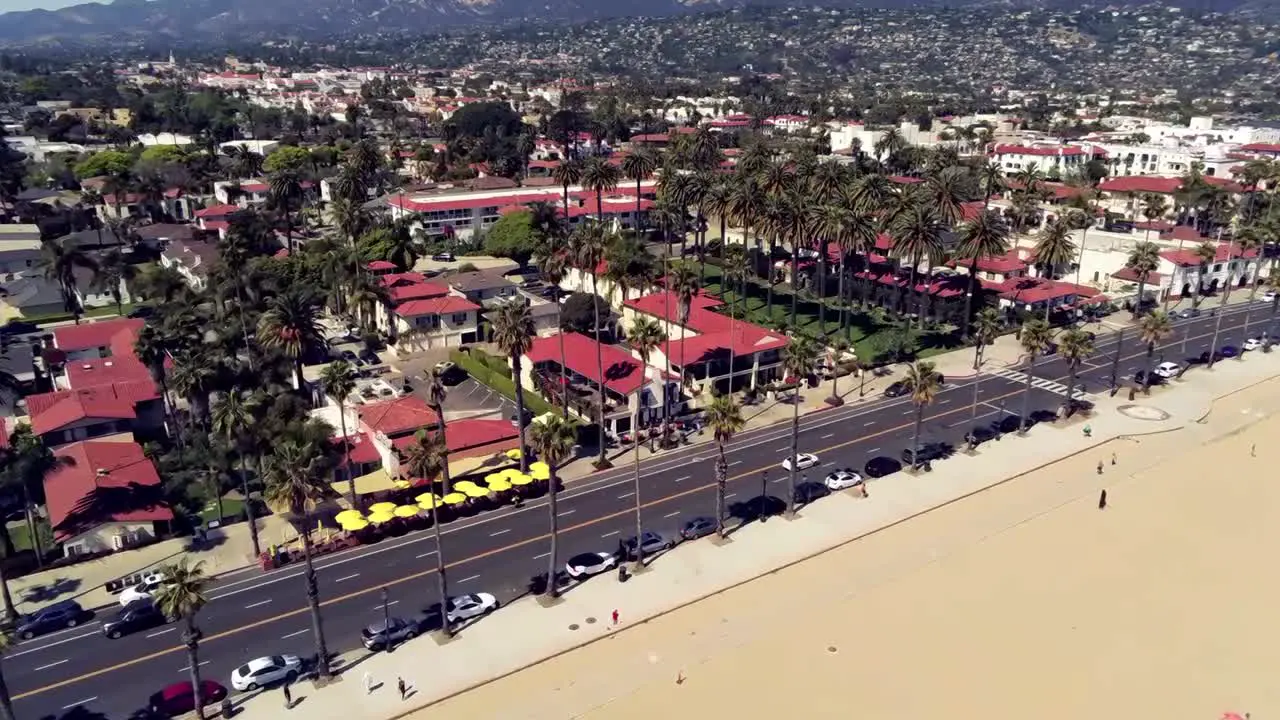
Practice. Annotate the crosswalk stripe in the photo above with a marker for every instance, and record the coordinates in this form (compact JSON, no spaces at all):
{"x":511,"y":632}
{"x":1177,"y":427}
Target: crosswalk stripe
{"x":1042,"y":383}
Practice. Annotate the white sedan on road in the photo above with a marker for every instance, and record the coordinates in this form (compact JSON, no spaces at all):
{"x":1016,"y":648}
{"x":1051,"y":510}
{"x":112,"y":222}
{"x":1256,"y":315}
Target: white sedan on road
{"x":465,"y":607}
{"x":588,"y":564}
{"x":842,"y":479}
{"x":264,"y":671}
{"x":1253,"y":344}
{"x":804,"y":461}
{"x":1167,"y":370}
{"x":142,"y":591}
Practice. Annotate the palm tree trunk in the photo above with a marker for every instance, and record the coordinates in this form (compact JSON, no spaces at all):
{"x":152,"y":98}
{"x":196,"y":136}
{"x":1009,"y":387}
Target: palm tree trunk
{"x":795,"y":289}
{"x":564,"y":372}
{"x":10,"y":614}
{"x":6,"y":702}
{"x":442,"y":582}
{"x":1248,"y":310}
{"x":722,"y":473}
{"x":346,"y":466}
{"x":666,"y":318}
{"x":553,"y":495}
{"x":191,"y":638}
{"x":968,"y":299}
{"x":844,"y":306}
{"x":1072,"y":367}
{"x":313,"y":600}
{"x":636,"y":493}
{"x":248,"y":506}
{"x":1026,"y":395}
{"x":595,"y":310}
{"x":1151,"y":360}
{"x":819,"y":290}
{"x":520,"y":423}
{"x":1142,"y":283}
{"x":795,"y":446}
{"x":915,"y":437}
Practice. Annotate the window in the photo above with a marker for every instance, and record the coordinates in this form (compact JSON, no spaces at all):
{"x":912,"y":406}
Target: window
{"x":458,"y":318}
{"x":1217,"y":267}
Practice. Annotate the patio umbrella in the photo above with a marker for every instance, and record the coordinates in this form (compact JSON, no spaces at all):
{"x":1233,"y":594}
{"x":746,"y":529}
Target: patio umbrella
{"x":402,"y":484}
{"x":454,"y":498}
{"x":475,"y":491}
{"x":382,"y":507}
{"x":499,"y":485}
{"x":539,"y":466}
{"x":540,"y":473}
{"x":491,"y":477}
{"x":406,"y":511}
{"x":461,"y":484}
{"x":346,"y":515}
{"x":521,"y":480}
{"x":381,"y":517}
{"x":513,"y":453}
{"x":430,"y":498}
{"x":354,"y":524}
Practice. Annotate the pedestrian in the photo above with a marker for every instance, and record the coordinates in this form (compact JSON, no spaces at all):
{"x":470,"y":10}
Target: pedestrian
{"x":615,"y":617}
{"x":1253,"y":450}
{"x":288,"y":697}
{"x":1102,"y":500}
{"x":1113,"y":458}
{"x":1088,"y":431}
{"x":1099,"y":467}
{"x":401,"y":687}
{"x":368,"y":682}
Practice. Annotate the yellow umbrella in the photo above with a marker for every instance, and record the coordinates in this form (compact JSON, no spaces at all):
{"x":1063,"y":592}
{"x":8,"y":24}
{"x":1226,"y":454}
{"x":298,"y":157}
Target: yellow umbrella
{"x":499,"y":486}
{"x":514,"y":453}
{"x":381,"y":517}
{"x":346,"y":515}
{"x":382,"y":507}
{"x":461,"y":485}
{"x":511,"y":472}
{"x":406,"y":511}
{"x":475,"y":491}
{"x":521,"y":480}
{"x":430,"y":498}
{"x":491,"y":477}
{"x":354,"y":523}
{"x":454,"y":498}
{"x":542,"y":473}
{"x":402,"y":484}
{"x":539,"y":466}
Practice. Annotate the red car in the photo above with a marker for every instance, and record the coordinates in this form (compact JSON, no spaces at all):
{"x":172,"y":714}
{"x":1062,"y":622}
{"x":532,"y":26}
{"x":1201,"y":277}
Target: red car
{"x":177,"y":699}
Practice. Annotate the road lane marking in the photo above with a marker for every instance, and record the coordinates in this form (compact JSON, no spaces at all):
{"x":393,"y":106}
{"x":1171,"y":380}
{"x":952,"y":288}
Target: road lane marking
{"x":671,"y":515}
{"x":735,"y":462}
{"x":79,"y":703}
{"x":348,"y":577}
{"x":480,"y":556}
{"x":162,"y":632}
{"x":379,"y":607}
{"x":828,"y":435}
{"x":258,"y":604}
{"x":624,"y":496}
{"x":425,"y":554}
{"x":52,"y":644}
{"x":206,"y":662}
{"x":608,"y":534}
{"x":682,"y":478}
{"x":868,"y":424}
{"x":873,"y":450}
{"x":56,"y":664}
{"x":500,"y":532}
{"x":543,"y":555}
{"x":469,"y":579}
{"x":296,"y":634}
{"x":566,"y":512}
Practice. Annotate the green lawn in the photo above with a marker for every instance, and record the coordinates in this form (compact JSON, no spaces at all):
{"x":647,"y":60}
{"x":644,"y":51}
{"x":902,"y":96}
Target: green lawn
{"x":232,"y":509}
{"x":22,"y":538}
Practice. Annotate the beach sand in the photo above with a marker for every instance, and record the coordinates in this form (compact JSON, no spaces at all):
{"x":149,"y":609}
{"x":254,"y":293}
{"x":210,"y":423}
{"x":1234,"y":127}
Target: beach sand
{"x":1024,"y":601}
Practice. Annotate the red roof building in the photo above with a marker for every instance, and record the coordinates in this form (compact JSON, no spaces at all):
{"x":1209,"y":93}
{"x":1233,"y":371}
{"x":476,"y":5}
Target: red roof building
{"x":714,"y":335}
{"x":398,"y":416}
{"x":106,"y":496}
{"x":105,"y":338}
{"x":118,"y":407}
{"x":623,"y":373}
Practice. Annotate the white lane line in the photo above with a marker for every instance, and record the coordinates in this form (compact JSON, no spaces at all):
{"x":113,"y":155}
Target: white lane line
{"x":348,"y":577}
{"x":828,"y":435}
{"x":46,"y":667}
{"x":304,"y":630}
{"x":726,"y":497}
{"x":873,"y":450}
{"x":735,"y":462}
{"x":672,"y":514}
{"x":624,"y":496}
{"x":944,"y":401}
{"x":566,"y":512}
{"x":80,"y":702}
{"x":52,"y":644}
{"x":543,"y":555}
{"x":828,"y":464}
{"x":393,"y":602}
{"x":206,"y":662}
{"x":868,"y":424}
{"x":909,"y":411}
{"x":425,"y":554}
{"x":500,"y":532}
{"x":469,"y":579}
{"x":682,"y":478}
{"x":257,"y":604}
{"x":162,"y":632}
{"x":785,"y":448}
{"x":608,"y":534}
{"x":781,"y":479}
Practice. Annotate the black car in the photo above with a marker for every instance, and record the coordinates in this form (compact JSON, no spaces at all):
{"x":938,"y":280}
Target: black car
{"x":897,"y":389}
{"x":927,"y":453}
{"x":63,"y":614}
{"x":142,"y":311}
{"x":807,"y":492}
{"x":700,"y":526}
{"x":350,"y":357}
{"x":18,"y":327}
{"x":369,"y":357}
{"x":1204,"y":357}
{"x":442,"y":257}
{"x":880,"y":466}
{"x":132,"y":618}
{"x":1189,"y":313}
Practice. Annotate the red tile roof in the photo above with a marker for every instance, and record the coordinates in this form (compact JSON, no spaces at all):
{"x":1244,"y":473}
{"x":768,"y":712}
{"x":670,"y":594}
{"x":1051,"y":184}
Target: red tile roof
{"x":623,"y":373}
{"x":1037,"y":289}
{"x":105,"y":371}
{"x":397,"y":416}
{"x":716,"y":333}
{"x":360,"y":449}
{"x":1047,"y":150}
{"x":381,"y":265}
{"x":1127,"y":273}
{"x":217,"y":211}
{"x":520,"y":196}
{"x":465,"y":435}
{"x":103,"y":482}
{"x":1187,"y":257}
{"x":1262,"y":147}
{"x":119,"y":335}
{"x":1003,"y":265}
{"x":1158,"y":184}
{"x":115,"y":401}
{"x":435,"y":306}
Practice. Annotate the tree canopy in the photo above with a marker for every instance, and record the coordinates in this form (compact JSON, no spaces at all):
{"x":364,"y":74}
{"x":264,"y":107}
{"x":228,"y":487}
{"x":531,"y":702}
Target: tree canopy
{"x":287,"y":157}
{"x":107,"y":162}
{"x":513,"y":236}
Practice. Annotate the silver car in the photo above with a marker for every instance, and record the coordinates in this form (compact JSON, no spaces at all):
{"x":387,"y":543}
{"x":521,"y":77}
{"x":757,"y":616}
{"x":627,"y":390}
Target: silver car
{"x":264,"y":671}
{"x":375,"y":636}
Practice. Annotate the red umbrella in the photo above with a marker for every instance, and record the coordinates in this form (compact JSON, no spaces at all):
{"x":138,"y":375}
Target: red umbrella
{"x":1232,"y":716}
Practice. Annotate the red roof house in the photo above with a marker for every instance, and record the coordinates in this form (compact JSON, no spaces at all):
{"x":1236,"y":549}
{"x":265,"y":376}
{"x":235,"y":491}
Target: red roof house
{"x":398,"y":416}
{"x":106,"y":496}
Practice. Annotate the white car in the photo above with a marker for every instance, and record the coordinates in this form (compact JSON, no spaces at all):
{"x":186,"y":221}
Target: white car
{"x":588,"y":564}
{"x":141,"y":591}
{"x":1253,"y":344}
{"x":804,"y":461}
{"x":1269,"y":296}
{"x":465,"y":607}
{"x":842,"y":479}
{"x":1166,"y":370}
{"x":264,"y":671}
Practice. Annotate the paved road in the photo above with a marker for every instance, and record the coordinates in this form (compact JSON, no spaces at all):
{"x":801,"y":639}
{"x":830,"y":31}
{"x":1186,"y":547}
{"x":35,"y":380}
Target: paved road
{"x":254,"y":613}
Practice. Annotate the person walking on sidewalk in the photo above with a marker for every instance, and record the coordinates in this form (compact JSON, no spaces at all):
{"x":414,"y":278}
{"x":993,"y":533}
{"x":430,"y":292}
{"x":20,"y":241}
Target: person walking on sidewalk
{"x":615,"y":617}
{"x":1102,"y":500}
{"x":368,"y":682}
{"x":1099,"y":467}
{"x":288,"y":696}
{"x":401,"y":687}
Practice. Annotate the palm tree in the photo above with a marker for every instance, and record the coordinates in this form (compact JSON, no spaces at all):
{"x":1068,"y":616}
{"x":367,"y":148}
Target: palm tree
{"x":291,"y":326}
{"x":684,"y":284}
{"x":1153,"y":208}
{"x":427,"y":458}
{"x":1054,"y":249}
{"x":1273,"y":284}
{"x":284,"y":187}
{"x":111,"y":273}
{"x":182,"y":596}
{"x":6,"y":702}
{"x":152,"y":349}
{"x":58,"y":264}
{"x":599,"y":176}
{"x":297,"y":481}
{"x":232,"y":418}
{"x":717,"y":203}
{"x":1206,"y":252}
{"x":567,"y":173}
{"x":587,"y":246}
{"x":1075,"y":346}
{"x":1034,"y":337}
{"x":986,"y":328}
{"x":918,"y":237}
{"x":554,"y":438}
{"x":922,"y":381}
{"x":513,"y":331}
{"x":1250,"y":239}
{"x":798,"y":358}
{"x":839,"y":347}
{"x":636,"y":166}
{"x":857,"y":236}
{"x":1143,"y":260}
{"x":644,"y":337}
{"x":338,"y":380}
{"x":1152,"y":328}
{"x":986,"y":236}
{"x":553,"y":265}
{"x":724,"y":417}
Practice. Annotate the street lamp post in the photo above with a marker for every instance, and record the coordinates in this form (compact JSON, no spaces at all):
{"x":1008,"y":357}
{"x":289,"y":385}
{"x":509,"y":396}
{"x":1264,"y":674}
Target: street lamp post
{"x":386,"y":620}
{"x":764,"y":493}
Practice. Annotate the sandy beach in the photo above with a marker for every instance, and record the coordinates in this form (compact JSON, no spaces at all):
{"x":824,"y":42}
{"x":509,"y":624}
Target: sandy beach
{"x":1023,"y":601}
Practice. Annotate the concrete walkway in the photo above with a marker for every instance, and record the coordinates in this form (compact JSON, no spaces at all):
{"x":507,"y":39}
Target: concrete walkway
{"x":526,"y":632}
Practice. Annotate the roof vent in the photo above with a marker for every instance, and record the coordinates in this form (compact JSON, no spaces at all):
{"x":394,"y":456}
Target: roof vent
{"x":86,"y":366}
{"x":107,"y":363}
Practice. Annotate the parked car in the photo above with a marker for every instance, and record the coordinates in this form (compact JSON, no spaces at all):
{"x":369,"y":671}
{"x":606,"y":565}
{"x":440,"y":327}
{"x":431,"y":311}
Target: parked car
{"x":1204,"y":356}
{"x":1229,"y":351}
{"x":880,"y":466}
{"x":141,"y":615}
{"x":443,"y":257}
{"x":374,"y":636}
{"x":590,"y":563}
{"x":370,"y":357}
{"x":350,"y":357}
{"x":897,"y":389}
{"x":179,"y":698}
{"x":928,"y":453}
{"x":1187,"y":313}
{"x":263,"y":671}
{"x":650,"y":542}
{"x":19,"y":327}
{"x":804,"y":461}
{"x":1253,"y":344}
{"x":700,"y":526}
{"x":465,"y":607}
{"x":1167,"y":370}
{"x":1268,"y":296}
{"x":807,"y":492}
{"x":59,"y":615}
{"x":841,"y":479}
{"x":141,"y":591}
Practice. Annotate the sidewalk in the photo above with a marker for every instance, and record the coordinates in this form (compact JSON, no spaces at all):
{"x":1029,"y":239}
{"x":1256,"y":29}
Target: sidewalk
{"x":526,"y":633}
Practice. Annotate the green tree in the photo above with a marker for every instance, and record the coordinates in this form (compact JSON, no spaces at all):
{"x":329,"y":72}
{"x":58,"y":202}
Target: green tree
{"x":291,"y":326}
{"x":104,"y":163}
{"x":923,"y":383}
{"x":1153,"y":327}
{"x":428,"y":458}
{"x":513,"y":236}
{"x":798,"y":358}
{"x":554,"y":437}
{"x":182,"y":596}
{"x":1075,"y":346}
{"x":286,"y":158}
{"x":644,"y":337}
{"x":586,"y":246}
{"x":58,"y":264}
{"x":1143,"y":260}
{"x":232,"y":418}
{"x":1034,"y":337}
{"x":338,"y":380}
{"x":513,"y":331}
{"x":724,"y":417}
{"x":986,"y":236}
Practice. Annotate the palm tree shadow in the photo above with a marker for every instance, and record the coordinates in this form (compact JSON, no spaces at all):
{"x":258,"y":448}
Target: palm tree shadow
{"x":79,"y":712}
{"x":103,"y":503}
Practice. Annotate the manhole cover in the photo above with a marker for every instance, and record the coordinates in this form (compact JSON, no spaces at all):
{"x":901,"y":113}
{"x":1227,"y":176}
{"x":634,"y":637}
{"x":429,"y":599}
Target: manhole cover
{"x":1143,"y":412}
{"x":831,"y":649}
{"x":573,"y":626}
{"x":591,"y":621}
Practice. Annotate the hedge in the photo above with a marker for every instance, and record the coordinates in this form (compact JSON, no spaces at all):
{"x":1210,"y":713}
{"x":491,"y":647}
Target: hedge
{"x":499,"y":382}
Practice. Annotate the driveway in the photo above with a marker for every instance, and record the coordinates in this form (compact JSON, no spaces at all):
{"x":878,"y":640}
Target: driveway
{"x":472,"y":397}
